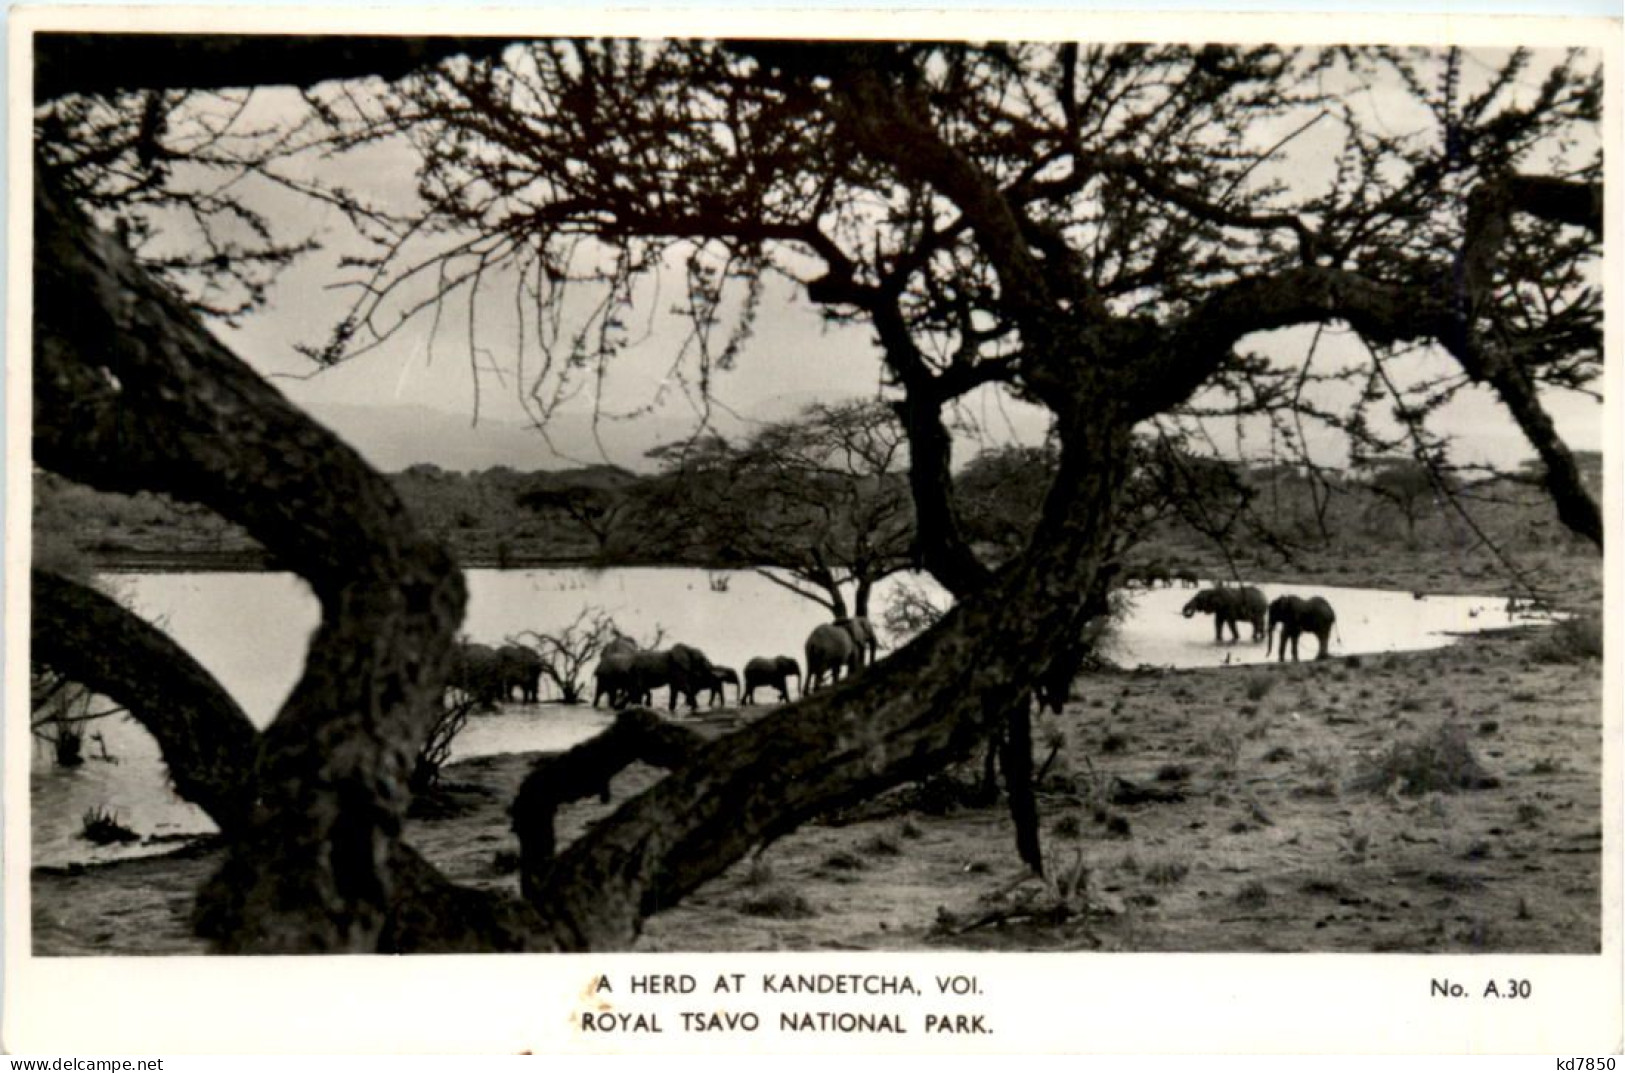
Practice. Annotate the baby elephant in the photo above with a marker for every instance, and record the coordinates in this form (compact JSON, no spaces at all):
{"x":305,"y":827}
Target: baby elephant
{"x":770,"y":671}
{"x":721,"y":676}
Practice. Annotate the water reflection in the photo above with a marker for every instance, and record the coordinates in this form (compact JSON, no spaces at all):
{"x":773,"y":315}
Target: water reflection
{"x":250,"y":631}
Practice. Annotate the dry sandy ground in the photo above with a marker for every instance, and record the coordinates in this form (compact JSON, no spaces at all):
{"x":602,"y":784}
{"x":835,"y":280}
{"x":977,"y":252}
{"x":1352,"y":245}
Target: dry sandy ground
{"x":1203,"y":810}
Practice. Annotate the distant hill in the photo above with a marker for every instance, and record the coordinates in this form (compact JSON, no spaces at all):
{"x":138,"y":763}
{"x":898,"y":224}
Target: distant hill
{"x":395,"y":438}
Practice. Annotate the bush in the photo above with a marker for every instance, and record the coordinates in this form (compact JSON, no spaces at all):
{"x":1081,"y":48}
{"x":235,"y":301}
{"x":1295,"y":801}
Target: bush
{"x":911,"y":611}
{"x":778,"y":903}
{"x":102,"y":827}
{"x":1166,"y":873}
{"x":1438,"y":761}
{"x":436,"y":748}
{"x":1574,"y":640}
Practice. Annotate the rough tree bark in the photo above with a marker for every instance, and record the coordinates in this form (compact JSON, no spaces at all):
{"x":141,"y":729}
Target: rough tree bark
{"x":131,"y":393}
{"x":208,"y":744}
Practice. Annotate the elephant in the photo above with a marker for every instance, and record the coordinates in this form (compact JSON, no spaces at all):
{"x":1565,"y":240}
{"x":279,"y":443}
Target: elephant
{"x":766,"y":671}
{"x":683,"y":668}
{"x":476,"y":670}
{"x":520,"y":667}
{"x":720,"y":677}
{"x":613,"y":675}
{"x":863,"y":635}
{"x":1151,"y":574}
{"x":1187,"y":579}
{"x":1229,"y":606}
{"x":831,"y":648}
{"x":1296,"y":615}
{"x":612,"y":678}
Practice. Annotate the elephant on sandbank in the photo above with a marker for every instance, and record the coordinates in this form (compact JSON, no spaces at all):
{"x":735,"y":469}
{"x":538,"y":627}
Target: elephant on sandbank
{"x":1297,"y":616}
{"x":838,"y":646}
{"x":720,"y":677}
{"x":772,"y":671}
{"x":1149,"y":575}
{"x":863,"y":635}
{"x":1229,"y":606}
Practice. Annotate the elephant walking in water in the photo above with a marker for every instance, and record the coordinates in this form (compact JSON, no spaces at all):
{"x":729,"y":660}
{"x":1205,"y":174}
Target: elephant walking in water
{"x":766,"y":671}
{"x":520,"y":668}
{"x":613,"y":676}
{"x":682,"y":668}
{"x":1296,"y":616}
{"x":1229,"y":606}
{"x":477,"y":672}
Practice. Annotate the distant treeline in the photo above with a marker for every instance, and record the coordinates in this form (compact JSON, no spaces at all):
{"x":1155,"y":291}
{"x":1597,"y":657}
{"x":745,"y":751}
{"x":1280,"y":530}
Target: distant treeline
{"x":607,"y":516}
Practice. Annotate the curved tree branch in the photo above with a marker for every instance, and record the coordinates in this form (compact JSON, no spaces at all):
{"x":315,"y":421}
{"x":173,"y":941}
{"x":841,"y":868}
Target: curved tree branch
{"x":132,"y":393}
{"x":207,"y":742}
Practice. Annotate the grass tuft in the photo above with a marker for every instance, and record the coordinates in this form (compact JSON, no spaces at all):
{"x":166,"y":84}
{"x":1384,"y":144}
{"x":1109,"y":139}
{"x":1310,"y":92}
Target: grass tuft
{"x":102,"y":827}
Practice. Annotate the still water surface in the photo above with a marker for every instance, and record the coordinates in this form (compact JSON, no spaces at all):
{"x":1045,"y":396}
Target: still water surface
{"x":250,"y":630}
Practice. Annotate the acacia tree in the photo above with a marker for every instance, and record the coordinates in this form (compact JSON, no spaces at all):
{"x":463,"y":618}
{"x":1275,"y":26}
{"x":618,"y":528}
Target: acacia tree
{"x":1096,"y":228}
{"x":817,"y":504}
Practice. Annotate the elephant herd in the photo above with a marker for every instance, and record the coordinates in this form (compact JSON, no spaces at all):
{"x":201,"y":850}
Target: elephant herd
{"x":628,"y":675}
{"x":1295,"y":615}
{"x":488,"y":675}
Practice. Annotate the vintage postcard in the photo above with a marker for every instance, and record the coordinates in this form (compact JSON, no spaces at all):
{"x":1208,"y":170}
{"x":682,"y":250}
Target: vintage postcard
{"x":735,"y":532}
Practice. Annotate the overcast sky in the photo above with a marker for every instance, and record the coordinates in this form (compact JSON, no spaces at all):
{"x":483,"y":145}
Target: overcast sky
{"x":413,"y":401}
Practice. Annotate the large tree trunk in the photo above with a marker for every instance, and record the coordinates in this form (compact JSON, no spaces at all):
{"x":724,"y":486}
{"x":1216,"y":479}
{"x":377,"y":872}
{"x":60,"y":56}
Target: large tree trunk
{"x":131,"y":393}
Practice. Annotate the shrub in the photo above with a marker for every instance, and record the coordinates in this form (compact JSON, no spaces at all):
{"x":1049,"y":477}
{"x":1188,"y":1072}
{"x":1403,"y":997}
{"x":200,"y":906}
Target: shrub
{"x":1259,"y":685}
{"x":437,"y":747}
{"x":778,"y":903}
{"x":1252,"y":895}
{"x":1173,"y":773}
{"x":102,"y":827}
{"x":943,"y":793}
{"x":1166,"y":873}
{"x":911,"y":611}
{"x":1440,"y":760}
{"x":881,"y":846}
{"x":1574,"y":640}
{"x":844,"y":861}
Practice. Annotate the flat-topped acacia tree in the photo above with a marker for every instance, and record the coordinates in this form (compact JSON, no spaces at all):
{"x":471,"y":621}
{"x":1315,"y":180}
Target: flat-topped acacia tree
{"x":1097,"y":229}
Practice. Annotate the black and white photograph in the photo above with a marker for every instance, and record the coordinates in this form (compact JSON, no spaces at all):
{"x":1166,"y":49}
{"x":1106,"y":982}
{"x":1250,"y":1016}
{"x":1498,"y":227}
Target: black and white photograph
{"x":505,"y":487}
